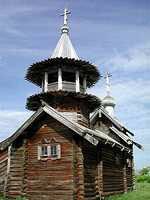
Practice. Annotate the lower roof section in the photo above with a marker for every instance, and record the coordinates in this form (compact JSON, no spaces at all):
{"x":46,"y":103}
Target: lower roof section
{"x":92,"y":136}
{"x":56,"y":98}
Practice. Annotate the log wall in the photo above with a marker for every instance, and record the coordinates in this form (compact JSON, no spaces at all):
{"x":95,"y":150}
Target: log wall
{"x":78,"y":171}
{"x":91,"y":188}
{"x":50,"y":179}
{"x":113,"y":176}
{"x":129,"y":174}
{"x":3,"y":170}
{"x":15,"y":182}
{"x":84,"y":172}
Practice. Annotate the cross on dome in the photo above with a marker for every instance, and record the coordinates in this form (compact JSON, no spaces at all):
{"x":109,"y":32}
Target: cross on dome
{"x":108,"y":101}
{"x":65,"y":14}
{"x":107,"y":77}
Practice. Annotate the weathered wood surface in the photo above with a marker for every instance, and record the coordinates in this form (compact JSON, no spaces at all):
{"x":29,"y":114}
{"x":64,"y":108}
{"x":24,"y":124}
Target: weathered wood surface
{"x":78,"y":172}
{"x":3,"y":170}
{"x":104,"y":125}
{"x":91,"y":189}
{"x":129,"y":174}
{"x":16,"y":172}
{"x":51,"y":179}
{"x":84,"y":172}
{"x":113,"y":178}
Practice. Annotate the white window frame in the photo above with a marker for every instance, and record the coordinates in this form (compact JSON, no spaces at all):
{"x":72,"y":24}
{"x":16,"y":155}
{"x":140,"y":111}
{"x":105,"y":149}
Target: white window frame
{"x":49,"y":153}
{"x":58,"y":151}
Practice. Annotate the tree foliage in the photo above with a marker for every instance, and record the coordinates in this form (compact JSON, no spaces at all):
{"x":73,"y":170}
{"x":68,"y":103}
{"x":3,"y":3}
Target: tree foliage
{"x":144,"y":175}
{"x":145,"y":171}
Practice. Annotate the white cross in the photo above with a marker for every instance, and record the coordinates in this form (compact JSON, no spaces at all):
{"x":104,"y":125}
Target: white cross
{"x":108,"y":75}
{"x":65,"y":14}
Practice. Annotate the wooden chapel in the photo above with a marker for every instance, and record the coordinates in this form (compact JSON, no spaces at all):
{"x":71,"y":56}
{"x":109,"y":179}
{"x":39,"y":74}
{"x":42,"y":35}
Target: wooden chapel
{"x":63,"y":152}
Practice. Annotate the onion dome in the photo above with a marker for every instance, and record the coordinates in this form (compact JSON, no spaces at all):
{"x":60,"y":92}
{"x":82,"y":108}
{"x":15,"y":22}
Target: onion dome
{"x":108,"y":101}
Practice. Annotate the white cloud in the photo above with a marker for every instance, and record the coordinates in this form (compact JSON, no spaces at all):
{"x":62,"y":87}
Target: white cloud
{"x":126,"y":91}
{"x":133,"y":91}
{"x":25,"y":51}
{"x":11,"y":120}
{"x":137,"y":58}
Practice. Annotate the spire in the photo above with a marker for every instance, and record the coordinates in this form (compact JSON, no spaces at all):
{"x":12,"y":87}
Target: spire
{"x":108,"y":101}
{"x":64,"y":47}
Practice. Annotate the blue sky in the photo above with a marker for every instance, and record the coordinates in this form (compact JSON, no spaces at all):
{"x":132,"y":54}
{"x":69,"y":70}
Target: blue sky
{"x":113,"y":34}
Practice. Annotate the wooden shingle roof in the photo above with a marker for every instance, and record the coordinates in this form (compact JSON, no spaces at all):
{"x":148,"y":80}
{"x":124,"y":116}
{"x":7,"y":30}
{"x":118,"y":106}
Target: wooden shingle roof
{"x":92,"y":136}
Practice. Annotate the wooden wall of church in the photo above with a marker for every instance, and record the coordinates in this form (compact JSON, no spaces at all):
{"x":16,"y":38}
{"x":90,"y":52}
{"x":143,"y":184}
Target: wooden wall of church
{"x":129,"y":175}
{"x":113,"y":176}
{"x":15,"y":180}
{"x":78,"y":170}
{"x":50,"y":179}
{"x":83,"y":172}
{"x":90,"y":172}
{"x":3,"y":170}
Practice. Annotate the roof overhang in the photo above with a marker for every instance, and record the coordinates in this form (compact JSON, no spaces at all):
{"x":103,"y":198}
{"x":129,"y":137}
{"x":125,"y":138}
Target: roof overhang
{"x":93,"y":136}
{"x":101,"y":111}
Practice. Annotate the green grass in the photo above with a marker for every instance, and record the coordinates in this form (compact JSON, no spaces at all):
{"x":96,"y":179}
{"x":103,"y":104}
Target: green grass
{"x":142,"y":192}
{"x":18,"y":198}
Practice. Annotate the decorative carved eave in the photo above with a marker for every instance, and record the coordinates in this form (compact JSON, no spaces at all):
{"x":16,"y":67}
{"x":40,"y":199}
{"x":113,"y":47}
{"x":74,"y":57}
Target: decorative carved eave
{"x":59,"y":97}
{"x":35,"y":72}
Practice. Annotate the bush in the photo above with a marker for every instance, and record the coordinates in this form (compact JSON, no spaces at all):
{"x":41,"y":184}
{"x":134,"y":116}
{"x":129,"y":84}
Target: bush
{"x":143,"y":178}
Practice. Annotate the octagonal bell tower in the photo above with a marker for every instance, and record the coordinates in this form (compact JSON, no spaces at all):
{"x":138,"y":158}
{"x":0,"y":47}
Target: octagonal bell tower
{"x":64,"y":79}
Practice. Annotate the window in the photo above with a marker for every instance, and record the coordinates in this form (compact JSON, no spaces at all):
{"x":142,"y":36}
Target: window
{"x":68,"y":76}
{"x":52,"y":77}
{"x":44,"y":151}
{"x":49,"y":151}
{"x":54,"y":151}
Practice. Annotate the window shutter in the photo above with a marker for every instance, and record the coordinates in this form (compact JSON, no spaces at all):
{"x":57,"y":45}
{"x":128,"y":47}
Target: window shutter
{"x":39,"y":152}
{"x":58,"y":151}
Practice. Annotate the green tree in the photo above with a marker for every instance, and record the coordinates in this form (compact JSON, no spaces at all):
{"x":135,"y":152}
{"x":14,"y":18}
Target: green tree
{"x":145,"y":171}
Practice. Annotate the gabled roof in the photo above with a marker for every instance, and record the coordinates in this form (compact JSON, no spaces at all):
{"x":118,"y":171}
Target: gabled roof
{"x":93,"y":136}
{"x":120,"y":129}
{"x":98,"y":112}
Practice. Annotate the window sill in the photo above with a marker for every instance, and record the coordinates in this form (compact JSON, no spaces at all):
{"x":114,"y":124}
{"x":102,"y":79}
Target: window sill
{"x":48,"y":158}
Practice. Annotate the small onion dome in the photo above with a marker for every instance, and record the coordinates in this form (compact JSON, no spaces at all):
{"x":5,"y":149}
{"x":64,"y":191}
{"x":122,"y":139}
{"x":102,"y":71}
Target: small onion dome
{"x":108,"y":101}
